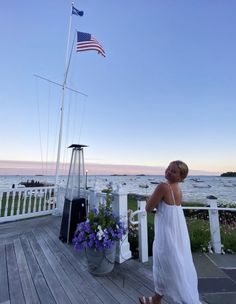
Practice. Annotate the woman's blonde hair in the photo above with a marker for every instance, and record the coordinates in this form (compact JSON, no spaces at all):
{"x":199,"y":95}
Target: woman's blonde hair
{"x":183,"y":168}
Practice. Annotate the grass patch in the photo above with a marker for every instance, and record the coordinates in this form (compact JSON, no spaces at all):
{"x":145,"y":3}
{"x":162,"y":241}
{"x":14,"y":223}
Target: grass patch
{"x":228,"y":237}
{"x":199,"y":234}
{"x":193,"y":204}
{"x":22,"y":204}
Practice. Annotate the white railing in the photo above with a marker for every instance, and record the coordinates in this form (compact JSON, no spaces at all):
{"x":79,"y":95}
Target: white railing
{"x":21,"y":203}
{"x":213,"y":211}
{"x":142,"y":229}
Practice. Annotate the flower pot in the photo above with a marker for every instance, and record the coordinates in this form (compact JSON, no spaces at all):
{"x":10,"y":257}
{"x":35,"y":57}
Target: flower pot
{"x":101,"y":262}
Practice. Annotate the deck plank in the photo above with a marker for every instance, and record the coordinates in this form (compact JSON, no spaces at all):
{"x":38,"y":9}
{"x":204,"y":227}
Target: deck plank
{"x":142,"y":281}
{"x":8,"y":239}
{"x":14,"y":229}
{"x":58,"y":274}
{"x":4,"y":290}
{"x":28,"y":287}
{"x":15,"y":288}
{"x":78,"y":261}
{"x":117,"y":291}
{"x":65,"y":280}
{"x":57,"y":291}
{"x":41,"y":286}
{"x":140,"y":273}
{"x":70,"y":270}
{"x":130,"y":286}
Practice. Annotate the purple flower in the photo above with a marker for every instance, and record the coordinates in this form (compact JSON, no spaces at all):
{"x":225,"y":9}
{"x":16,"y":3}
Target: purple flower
{"x":91,"y":243}
{"x":100,"y":231}
{"x":87,"y":227}
{"x":107,"y":243}
{"x":92,"y":236}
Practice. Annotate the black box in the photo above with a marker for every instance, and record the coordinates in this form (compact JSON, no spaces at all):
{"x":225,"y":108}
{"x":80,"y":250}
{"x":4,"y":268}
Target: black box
{"x":74,"y":212}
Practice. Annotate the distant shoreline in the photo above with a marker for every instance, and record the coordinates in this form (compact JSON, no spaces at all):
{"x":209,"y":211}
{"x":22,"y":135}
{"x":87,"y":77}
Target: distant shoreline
{"x":228,"y":174}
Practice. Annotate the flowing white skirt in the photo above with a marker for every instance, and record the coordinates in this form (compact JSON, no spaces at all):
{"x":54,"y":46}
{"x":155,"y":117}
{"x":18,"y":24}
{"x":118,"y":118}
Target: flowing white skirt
{"x":174,"y":273}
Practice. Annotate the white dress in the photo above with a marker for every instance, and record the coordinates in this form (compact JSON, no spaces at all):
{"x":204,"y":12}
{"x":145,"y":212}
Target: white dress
{"x":174,"y":273}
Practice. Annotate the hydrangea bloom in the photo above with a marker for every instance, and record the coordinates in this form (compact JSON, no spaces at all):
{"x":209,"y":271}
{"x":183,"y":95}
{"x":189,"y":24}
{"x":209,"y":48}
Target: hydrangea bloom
{"x":101,"y":229}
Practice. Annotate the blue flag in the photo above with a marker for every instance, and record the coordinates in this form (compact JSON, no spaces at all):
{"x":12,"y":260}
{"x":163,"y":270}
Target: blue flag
{"x":76,"y":12}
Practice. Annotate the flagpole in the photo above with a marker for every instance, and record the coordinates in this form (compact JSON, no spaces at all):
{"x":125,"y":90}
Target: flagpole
{"x":63,"y":97}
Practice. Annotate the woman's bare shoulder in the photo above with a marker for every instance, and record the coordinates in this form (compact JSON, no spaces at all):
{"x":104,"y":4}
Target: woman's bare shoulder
{"x":161,"y":189}
{"x":163,"y":186}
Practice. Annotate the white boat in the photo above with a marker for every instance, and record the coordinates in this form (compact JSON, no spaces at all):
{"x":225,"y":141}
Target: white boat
{"x":145,"y":186}
{"x":201,"y":186}
{"x":229,"y":185}
{"x":197,"y":180}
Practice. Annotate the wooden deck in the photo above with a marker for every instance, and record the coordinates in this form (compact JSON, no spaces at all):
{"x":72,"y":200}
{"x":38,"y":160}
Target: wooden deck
{"x":36,"y":267}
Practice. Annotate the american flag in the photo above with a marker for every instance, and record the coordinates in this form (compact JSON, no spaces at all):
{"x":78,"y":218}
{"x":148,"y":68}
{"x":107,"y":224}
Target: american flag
{"x":85,"y":42}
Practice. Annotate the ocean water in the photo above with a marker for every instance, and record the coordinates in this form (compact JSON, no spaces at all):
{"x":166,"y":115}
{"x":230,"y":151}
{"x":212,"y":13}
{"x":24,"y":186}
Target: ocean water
{"x":195,"y":188}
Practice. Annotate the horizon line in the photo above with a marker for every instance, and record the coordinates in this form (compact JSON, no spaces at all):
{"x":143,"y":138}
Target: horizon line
{"x":21,"y":167}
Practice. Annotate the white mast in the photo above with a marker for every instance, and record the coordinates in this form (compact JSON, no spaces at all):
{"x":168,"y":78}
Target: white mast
{"x":63,"y":97}
{"x":64,"y":86}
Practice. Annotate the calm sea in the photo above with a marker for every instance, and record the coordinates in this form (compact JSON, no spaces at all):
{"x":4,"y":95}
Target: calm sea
{"x":195,"y":188}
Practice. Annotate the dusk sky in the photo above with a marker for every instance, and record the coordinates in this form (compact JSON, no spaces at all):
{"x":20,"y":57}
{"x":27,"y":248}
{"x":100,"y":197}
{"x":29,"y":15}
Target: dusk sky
{"x":165,"y":91}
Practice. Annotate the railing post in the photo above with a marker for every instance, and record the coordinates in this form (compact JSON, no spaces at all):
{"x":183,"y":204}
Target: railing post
{"x":60,"y":199}
{"x":120,"y":208}
{"x":92,"y":197}
{"x":142,"y":232}
{"x":214,"y":224}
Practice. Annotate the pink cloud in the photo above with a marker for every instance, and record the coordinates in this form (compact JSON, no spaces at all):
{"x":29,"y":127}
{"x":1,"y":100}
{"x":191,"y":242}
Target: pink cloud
{"x":8,"y":167}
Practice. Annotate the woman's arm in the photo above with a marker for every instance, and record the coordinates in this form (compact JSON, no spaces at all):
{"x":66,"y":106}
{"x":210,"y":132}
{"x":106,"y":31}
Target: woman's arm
{"x":155,"y":198}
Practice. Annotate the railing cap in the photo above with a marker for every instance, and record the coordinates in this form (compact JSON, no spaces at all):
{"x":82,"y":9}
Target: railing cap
{"x":211,"y":197}
{"x":119,"y":189}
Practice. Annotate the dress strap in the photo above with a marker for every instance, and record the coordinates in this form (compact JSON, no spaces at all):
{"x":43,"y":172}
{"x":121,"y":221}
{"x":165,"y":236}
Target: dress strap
{"x":172,"y":193}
